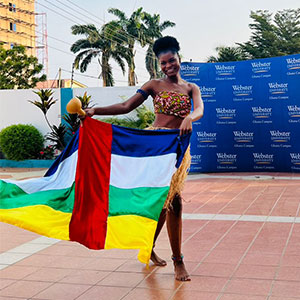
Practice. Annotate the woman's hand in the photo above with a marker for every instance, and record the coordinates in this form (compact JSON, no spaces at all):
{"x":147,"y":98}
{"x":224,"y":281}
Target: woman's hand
{"x":186,"y":125}
{"x":88,"y":112}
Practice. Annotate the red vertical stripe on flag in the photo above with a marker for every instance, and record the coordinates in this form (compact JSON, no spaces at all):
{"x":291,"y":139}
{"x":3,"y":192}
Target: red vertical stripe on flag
{"x":89,"y":219}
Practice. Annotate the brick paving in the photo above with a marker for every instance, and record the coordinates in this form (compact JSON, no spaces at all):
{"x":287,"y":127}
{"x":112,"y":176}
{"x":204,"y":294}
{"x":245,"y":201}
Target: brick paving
{"x":241,"y":241}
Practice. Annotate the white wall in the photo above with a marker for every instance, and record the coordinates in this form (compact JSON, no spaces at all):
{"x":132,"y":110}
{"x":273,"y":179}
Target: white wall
{"x":103,"y":96}
{"x":15,"y":109}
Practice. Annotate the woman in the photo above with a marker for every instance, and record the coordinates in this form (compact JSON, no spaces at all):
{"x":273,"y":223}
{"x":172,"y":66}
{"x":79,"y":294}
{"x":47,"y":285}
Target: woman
{"x":172,"y":99}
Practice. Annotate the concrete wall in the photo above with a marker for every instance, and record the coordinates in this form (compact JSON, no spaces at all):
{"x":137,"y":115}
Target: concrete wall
{"x":110,"y":95}
{"x":15,"y":108}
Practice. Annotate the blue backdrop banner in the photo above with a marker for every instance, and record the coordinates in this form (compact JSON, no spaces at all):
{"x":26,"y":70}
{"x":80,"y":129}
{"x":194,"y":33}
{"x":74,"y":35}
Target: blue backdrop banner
{"x":251,"y":115}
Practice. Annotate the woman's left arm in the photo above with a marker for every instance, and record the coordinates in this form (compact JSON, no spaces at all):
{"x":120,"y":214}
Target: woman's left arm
{"x":186,"y":125}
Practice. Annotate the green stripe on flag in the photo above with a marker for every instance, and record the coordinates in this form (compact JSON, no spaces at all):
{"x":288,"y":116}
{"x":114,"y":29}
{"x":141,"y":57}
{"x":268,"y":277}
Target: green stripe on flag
{"x":13,"y":197}
{"x":131,"y":201}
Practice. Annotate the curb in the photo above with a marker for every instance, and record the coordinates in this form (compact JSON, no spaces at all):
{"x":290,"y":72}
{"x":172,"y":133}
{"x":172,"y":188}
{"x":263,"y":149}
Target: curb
{"x":28,"y":163}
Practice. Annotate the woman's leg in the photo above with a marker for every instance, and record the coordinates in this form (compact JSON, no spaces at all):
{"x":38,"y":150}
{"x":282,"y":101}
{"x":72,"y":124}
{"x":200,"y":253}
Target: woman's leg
{"x":174,"y":225}
{"x":155,"y":259}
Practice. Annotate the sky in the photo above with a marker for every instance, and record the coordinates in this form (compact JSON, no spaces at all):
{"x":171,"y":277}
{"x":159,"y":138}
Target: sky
{"x":201,"y":26}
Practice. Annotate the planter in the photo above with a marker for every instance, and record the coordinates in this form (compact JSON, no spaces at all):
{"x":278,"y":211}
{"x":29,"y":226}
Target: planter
{"x":28,"y":163}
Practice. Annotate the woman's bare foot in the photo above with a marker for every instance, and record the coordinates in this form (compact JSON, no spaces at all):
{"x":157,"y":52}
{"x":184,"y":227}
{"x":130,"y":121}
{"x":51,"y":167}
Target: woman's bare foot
{"x":181,"y":273}
{"x":157,"y":260}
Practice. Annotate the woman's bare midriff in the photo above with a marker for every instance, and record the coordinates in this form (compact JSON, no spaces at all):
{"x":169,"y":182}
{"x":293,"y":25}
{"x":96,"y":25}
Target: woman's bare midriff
{"x":168,"y":121}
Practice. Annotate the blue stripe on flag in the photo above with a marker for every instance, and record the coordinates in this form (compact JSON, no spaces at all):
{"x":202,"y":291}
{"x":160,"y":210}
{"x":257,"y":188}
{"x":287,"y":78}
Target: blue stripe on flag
{"x":68,"y":151}
{"x":143,"y":143}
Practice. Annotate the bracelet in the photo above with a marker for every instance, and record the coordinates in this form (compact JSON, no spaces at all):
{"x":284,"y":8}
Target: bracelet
{"x":175,"y":259}
{"x":143,"y":93}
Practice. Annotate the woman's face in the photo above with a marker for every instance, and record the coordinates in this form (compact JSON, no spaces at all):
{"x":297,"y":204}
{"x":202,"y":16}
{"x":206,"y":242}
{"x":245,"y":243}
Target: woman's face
{"x":169,"y":63}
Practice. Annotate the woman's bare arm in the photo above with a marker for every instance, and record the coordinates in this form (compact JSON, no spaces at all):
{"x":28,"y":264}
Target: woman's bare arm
{"x":186,"y":125}
{"x":124,"y":107}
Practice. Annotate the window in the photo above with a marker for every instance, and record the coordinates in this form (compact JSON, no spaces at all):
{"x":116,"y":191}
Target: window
{"x":12,"y":26}
{"x":11,"y":7}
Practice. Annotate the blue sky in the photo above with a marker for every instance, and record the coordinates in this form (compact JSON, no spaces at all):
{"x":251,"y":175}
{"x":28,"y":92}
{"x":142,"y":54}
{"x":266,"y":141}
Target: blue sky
{"x":201,"y":26}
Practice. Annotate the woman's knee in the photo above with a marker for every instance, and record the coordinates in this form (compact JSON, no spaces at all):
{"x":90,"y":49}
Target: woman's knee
{"x":177,"y":205}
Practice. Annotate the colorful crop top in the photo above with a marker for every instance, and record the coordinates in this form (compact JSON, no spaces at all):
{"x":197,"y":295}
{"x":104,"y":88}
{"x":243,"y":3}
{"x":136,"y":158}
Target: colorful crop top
{"x":172,"y":103}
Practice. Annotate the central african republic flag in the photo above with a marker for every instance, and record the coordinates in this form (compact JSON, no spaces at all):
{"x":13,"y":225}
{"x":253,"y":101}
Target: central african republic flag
{"x":106,"y":189}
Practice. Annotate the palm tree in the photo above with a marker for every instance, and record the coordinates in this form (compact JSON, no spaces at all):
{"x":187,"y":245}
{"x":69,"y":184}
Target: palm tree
{"x":227,"y":54}
{"x":99,"y":44}
{"x":153,"y":30}
{"x":132,"y":31}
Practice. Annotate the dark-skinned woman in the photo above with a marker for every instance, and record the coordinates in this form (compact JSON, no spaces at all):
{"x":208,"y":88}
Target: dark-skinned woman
{"x":172,"y":100}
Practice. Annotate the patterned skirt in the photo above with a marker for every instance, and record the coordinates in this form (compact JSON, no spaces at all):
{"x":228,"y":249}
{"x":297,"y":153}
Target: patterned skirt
{"x":177,"y":182}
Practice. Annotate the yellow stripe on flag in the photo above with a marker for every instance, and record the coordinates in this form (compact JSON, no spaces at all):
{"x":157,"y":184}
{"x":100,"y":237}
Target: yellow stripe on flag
{"x":131,"y":232}
{"x":40,"y":219}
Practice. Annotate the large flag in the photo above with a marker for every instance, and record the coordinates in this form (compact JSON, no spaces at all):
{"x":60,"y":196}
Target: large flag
{"x":106,"y":190}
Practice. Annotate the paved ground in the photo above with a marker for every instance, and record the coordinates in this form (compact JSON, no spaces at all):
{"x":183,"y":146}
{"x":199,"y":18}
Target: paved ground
{"x":241,"y":241}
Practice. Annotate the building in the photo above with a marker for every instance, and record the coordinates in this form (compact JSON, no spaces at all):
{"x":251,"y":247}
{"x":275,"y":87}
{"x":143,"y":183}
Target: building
{"x":17,"y":24}
{"x":64,"y":83}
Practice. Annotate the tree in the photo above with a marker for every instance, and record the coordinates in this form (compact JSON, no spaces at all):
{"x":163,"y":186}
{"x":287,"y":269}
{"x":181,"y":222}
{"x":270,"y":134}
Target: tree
{"x":101,"y":44}
{"x":269,"y":37}
{"x":132,"y":31}
{"x":273,"y":38}
{"x":19,"y":70}
{"x":153,"y":30}
{"x":227,"y":54}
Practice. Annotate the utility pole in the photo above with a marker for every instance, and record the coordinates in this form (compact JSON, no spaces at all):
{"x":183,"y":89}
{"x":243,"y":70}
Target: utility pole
{"x":59,"y":78}
{"x":72,"y":76}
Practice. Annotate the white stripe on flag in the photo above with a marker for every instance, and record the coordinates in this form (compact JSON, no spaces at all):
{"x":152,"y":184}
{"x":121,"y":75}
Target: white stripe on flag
{"x":133,"y":172}
{"x":63,"y":178}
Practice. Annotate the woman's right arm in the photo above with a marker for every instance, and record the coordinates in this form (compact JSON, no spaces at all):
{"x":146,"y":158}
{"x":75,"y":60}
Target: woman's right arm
{"x":124,"y":107}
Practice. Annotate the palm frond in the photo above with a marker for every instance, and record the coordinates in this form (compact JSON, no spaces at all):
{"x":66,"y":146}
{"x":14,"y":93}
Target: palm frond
{"x":80,"y":45}
{"x":83,"y":29}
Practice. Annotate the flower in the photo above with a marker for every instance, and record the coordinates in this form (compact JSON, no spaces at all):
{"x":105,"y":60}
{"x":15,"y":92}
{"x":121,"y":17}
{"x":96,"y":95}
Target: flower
{"x":41,"y":152}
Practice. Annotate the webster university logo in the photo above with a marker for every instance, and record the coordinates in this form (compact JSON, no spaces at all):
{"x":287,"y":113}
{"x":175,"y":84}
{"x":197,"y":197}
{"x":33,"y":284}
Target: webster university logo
{"x":263,"y":159}
{"x":278,"y":88}
{"x":207,"y":93}
{"x":189,"y":70}
{"x":293,"y":63}
{"x":294,"y":111}
{"x":242,"y":90}
{"x":225,"y":113}
{"x":206,"y":137}
{"x":226,"y":158}
{"x":295,"y":158}
{"x":261,"y":112}
{"x":197,"y":158}
{"x":261,"y":67}
{"x":224,"y":70}
{"x":243,"y":136}
{"x":280,"y":136}
{"x":196,"y":162}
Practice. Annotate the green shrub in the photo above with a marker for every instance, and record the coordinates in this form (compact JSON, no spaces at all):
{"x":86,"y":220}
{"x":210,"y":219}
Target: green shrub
{"x":144,"y":118}
{"x":19,"y":142}
{"x":125,"y":122}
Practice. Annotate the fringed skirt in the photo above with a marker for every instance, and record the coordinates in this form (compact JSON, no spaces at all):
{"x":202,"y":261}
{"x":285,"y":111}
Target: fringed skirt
{"x":177,"y":182}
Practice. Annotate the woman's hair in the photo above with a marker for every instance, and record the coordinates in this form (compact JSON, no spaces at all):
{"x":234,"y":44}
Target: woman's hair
{"x":166,"y":44}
